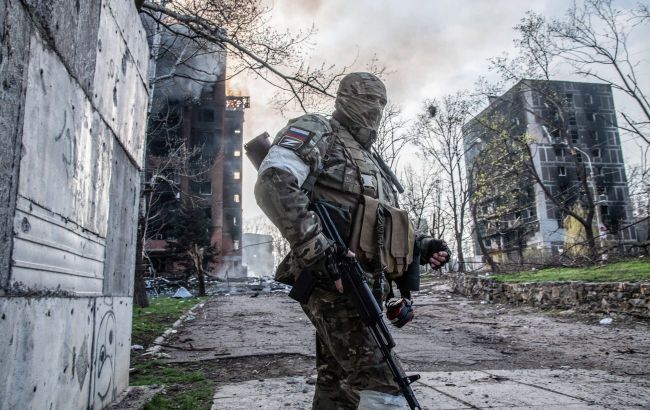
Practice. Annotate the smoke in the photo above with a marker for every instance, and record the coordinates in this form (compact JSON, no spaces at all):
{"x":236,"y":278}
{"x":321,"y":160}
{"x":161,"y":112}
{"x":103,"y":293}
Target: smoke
{"x":257,"y":254}
{"x":185,"y":65}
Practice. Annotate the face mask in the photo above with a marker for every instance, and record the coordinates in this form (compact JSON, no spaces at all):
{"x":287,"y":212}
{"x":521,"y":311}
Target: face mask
{"x":360,"y":102}
{"x":366,"y":137}
{"x":361,"y":115}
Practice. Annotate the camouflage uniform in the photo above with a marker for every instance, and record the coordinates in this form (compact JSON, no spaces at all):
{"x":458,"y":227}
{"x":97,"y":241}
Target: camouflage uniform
{"x":315,"y":158}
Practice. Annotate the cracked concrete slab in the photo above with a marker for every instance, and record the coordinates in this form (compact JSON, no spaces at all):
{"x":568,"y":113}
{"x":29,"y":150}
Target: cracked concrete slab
{"x":516,"y":389}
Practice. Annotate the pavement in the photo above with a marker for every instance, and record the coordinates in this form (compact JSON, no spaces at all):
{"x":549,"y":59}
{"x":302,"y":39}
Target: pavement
{"x":500,"y":389}
{"x":494,"y":356}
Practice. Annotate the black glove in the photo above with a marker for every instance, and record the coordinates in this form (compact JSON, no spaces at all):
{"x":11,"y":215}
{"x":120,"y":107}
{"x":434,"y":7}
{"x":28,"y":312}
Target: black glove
{"x":325,"y":269}
{"x":430,"y":246}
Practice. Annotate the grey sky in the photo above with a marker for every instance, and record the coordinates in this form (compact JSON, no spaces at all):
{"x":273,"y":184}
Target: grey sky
{"x":431,"y":47}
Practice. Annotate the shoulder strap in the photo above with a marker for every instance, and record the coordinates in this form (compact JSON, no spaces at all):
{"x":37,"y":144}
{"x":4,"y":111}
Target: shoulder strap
{"x":311,"y":179}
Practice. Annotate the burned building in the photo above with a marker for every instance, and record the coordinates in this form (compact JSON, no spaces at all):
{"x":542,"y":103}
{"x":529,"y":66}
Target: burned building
{"x":230,"y":229}
{"x":194,"y":159}
{"x":567,"y":132}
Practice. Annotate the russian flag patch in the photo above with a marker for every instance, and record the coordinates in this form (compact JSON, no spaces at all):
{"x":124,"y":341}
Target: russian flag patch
{"x":294,"y":138}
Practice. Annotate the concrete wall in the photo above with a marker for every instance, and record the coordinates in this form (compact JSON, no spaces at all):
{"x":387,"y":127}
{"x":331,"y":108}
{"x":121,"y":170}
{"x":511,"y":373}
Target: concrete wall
{"x":73,"y":95}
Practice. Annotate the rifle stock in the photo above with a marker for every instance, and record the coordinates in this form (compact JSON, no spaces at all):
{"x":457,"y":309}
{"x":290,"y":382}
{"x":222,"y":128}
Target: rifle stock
{"x":354,"y":283}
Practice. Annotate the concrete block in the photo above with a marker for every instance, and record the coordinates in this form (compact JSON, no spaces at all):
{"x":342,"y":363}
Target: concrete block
{"x":118,"y":92}
{"x":111,"y":350}
{"x":45,"y":352}
{"x":122,"y":225}
{"x":15,"y":34}
{"x":51,"y":254}
{"x":68,"y":161}
{"x":82,"y":362}
{"x":128,"y":21}
{"x":71,"y":28}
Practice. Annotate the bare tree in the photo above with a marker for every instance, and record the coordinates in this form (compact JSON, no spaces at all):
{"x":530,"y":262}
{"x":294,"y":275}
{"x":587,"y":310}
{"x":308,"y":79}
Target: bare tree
{"x":240,"y":27}
{"x":594,"y":39}
{"x":391,"y":135}
{"x":639,"y":184}
{"x":441,"y":140}
{"x":418,"y":196}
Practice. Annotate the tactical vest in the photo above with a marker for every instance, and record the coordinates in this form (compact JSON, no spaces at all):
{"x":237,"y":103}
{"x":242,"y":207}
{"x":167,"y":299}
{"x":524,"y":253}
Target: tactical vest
{"x":379,"y":233}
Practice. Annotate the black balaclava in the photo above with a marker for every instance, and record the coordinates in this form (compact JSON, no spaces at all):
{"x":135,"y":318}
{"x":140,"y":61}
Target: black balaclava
{"x":360,"y":101}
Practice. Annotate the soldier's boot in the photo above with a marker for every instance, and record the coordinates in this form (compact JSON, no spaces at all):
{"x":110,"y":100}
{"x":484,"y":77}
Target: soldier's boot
{"x":374,"y":400}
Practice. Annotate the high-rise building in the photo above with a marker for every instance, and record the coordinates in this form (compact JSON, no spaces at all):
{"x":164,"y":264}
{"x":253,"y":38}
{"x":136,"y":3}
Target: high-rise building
{"x":197,"y":145}
{"x":228,"y":231}
{"x":572,"y":136}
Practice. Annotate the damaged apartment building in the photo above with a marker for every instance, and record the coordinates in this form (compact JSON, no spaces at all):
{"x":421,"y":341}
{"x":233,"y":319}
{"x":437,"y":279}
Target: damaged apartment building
{"x":572,"y":142}
{"x":194,"y":156}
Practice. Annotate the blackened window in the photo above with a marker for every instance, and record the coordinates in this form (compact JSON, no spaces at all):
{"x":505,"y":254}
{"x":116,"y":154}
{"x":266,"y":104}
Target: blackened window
{"x":207,"y":115}
{"x":202,"y":188}
{"x":574,"y":136}
{"x":569,"y":99}
{"x":561,"y":171}
{"x":572,"y":118}
{"x":595,"y":152}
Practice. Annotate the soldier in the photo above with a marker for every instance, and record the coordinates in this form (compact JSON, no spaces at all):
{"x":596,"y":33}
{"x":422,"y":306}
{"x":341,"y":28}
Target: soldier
{"x":318,"y":159}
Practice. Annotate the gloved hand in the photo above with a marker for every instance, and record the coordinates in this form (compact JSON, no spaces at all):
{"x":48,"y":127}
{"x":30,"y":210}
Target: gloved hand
{"x":326,"y":270}
{"x":399,"y":311}
{"x":434,"y":252}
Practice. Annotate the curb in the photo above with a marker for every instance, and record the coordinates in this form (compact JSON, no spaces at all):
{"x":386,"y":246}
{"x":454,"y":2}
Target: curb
{"x":156,"y":346}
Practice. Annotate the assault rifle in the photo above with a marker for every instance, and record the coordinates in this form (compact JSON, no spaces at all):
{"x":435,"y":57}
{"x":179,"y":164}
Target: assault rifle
{"x":354,"y":283}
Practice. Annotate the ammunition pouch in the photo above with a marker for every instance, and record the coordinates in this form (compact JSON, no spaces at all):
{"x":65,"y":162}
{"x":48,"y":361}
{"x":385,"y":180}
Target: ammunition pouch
{"x":382,"y":235}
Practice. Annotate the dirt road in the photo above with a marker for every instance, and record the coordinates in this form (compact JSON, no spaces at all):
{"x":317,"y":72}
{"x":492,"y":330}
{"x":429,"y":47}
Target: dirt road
{"x":245,"y":338}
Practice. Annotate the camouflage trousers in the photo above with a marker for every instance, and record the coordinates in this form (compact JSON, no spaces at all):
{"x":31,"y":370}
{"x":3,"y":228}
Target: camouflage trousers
{"x":347,"y":358}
